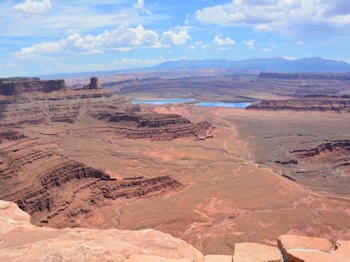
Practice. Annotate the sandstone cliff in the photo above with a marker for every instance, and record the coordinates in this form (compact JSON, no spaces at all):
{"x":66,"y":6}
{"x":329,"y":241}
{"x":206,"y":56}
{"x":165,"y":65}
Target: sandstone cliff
{"x":304,"y":104}
{"x":21,"y":241}
{"x":19,"y":86}
{"x":61,"y":189}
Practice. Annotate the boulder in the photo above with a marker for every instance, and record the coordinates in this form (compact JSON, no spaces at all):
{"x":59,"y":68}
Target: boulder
{"x":252,"y":252}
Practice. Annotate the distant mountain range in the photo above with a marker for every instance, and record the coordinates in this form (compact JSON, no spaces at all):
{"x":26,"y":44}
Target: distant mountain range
{"x":269,"y":64}
{"x":276,"y":64}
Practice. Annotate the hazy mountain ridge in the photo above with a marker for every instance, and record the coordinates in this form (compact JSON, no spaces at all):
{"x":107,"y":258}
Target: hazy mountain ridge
{"x":260,"y":64}
{"x":312,"y":64}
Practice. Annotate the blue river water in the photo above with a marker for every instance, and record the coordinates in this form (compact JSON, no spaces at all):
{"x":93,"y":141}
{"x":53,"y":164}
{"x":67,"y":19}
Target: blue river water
{"x":222,"y":104}
{"x":188,"y":100}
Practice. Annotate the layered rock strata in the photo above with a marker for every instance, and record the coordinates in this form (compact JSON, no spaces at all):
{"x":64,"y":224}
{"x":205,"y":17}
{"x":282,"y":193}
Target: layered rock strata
{"x":158,"y":127}
{"x":8,"y":134}
{"x":304,"y":104}
{"x":60,"y":189}
{"x":19,"y":86}
{"x":290,"y":76}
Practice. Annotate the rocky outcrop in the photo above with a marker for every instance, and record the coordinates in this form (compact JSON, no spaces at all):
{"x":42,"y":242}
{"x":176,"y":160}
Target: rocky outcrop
{"x":65,"y":107}
{"x":61,"y":188}
{"x":159,"y":127}
{"x":150,"y":120}
{"x":308,"y":249}
{"x":94,"y":84}
{"x":338,"y":148}
{"x":249,"y":252}
{"x":8,"y":134}
{"x":19,"y":86}
{"x":304,"y":104}
{"x":21,"y":241}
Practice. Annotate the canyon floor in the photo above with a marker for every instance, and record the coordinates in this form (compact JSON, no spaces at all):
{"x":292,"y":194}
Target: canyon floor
{"x":260,"y":174}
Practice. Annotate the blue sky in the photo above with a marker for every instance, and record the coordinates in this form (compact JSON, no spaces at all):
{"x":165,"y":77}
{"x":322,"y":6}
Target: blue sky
{"x":53,"y":36}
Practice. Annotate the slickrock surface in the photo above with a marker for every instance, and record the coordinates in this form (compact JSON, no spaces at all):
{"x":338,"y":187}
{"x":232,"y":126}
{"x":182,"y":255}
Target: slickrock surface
{"x":307,"y":249}
{"x":218,"y":258}
{"x":252,"y":252}
{"x":21,"y":241}
{"x":147,"y":258}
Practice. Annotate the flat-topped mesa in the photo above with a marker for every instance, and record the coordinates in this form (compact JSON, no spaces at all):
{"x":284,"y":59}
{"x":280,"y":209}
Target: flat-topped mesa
{"x":159,"y":127}
{"x":305,"y":104}
{"x":18,"y":86}
{"x":290,"y":76}
{"x":151,"y":120}
{"x":94,"y":84}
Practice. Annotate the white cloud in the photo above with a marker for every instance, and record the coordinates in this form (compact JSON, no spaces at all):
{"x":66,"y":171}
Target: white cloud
{"x":170,"y":37}
{"x":139,"y":4}
{"x":299,"y":43}
{"x":292,"y":18}
{"x":266,"y":50}
{"x":122,"y":39}
{"x":192,"y":47}
{"x":205,"y":47}
{"x":137,"y":61}
{"x":249,"y":43}
{"x":33,"y":8}
{"x":198,"y":43}
{"x":227,"y":41}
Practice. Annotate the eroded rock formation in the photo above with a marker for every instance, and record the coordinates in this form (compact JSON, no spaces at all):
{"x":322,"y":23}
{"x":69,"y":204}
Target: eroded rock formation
{"x":21,"y":241}
{"x":20,"y":86}
{"x":8,"y":134}
{"x":94,"y":84}
{"x":310,"y":249}
{"x":291,"y":76}
{"x":158,"y":126}
{"x":304,"y":104}
{"x":49,"y":186}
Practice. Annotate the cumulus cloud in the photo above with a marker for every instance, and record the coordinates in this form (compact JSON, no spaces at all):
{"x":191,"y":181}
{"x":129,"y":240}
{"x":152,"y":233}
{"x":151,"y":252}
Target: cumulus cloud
{"x":299,"y":43}
{"x":170,"y":37}
{"x":137,"y":61}
{"x":227,"y":41}
{"x":122,"y":39}
{"x":30,"y":7}
{"x":292,"y":18}
{"x":266,"y":50}
{"x":139,"y":4}
{"x":249,"y":43}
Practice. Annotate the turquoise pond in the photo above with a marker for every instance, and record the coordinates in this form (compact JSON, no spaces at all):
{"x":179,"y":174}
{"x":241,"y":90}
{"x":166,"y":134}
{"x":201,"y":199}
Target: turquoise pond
{"x":188,"y":100}
{"x":222,"y":104}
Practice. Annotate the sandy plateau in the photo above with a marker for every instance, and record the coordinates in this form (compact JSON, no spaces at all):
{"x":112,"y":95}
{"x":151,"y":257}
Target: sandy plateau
{"x":248,"y":176}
